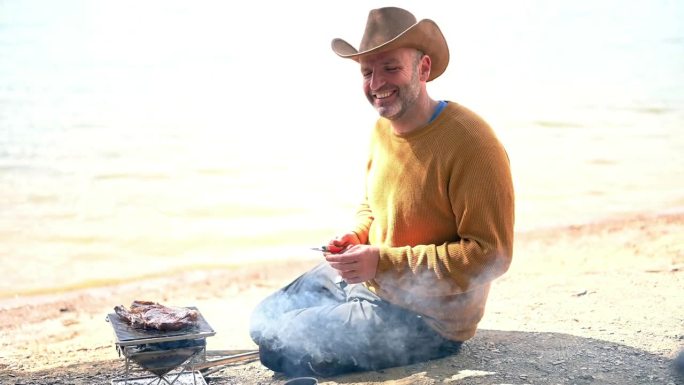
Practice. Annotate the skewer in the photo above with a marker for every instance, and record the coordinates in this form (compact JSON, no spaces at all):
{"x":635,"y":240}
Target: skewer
{"x":225,"y":353}
{"x":242,"y":357}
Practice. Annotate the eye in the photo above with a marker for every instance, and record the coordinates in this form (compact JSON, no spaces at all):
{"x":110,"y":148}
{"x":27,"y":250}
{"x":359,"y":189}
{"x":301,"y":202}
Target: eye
{"x":391,"y":69}
{"x":367,"y":74}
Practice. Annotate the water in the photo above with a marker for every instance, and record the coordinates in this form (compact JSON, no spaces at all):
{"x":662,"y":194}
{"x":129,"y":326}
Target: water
{"x":144,"y":138}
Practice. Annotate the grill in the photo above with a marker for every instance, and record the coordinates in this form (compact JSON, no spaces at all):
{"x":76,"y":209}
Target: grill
{"x":171,"y":356}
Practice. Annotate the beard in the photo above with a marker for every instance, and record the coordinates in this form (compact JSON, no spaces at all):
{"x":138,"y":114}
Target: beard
{"x":404,"y":99}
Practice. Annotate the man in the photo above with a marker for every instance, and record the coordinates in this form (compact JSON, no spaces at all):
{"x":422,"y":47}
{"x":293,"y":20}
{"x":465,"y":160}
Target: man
{"x":409,"y":283}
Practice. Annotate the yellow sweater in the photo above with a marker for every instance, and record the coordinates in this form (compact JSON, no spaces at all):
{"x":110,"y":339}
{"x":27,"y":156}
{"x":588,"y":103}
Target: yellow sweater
{"x":440,"y":205}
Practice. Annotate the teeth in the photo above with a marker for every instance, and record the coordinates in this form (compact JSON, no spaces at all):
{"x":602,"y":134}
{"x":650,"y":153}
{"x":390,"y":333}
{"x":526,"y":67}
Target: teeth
{"x":383,"y":95}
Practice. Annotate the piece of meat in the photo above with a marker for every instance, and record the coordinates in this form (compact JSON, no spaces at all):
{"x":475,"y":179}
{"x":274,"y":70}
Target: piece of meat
{"x":151,"y":315}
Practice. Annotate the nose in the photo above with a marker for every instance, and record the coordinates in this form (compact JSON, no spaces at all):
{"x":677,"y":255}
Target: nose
{"x":376,"y":81}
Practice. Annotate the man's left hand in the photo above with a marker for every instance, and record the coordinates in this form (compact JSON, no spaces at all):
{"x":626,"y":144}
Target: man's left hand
{"x":356,"y":264}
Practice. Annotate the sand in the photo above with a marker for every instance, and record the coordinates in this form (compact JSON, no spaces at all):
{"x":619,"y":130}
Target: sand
{"x":598,"y":303}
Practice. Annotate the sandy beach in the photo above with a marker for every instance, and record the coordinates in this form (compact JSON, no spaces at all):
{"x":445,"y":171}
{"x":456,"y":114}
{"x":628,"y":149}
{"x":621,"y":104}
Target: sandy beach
{"x":597,"y":303}
{"x":181,"y":153}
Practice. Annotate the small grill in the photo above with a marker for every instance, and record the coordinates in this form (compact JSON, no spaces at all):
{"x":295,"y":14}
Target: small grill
{"x":172,"y":356}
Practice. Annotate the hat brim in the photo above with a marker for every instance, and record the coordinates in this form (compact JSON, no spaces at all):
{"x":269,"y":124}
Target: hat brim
{"x":424,"y":35}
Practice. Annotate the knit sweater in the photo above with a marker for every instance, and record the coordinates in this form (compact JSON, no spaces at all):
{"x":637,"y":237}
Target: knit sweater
{"x":440,"y":205}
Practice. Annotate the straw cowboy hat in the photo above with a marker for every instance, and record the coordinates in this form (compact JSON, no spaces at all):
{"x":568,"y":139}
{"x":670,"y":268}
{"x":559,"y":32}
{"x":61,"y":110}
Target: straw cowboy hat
{"x":390,"y":28}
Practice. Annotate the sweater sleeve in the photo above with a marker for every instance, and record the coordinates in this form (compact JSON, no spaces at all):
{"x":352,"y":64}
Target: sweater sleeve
{"x":364,"y":213}
{"x":482,"y":200}
{"x":364,"y":219}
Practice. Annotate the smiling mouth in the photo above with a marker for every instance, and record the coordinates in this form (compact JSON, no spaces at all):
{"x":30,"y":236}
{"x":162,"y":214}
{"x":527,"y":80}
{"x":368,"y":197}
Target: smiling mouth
{"x":383,"y":95}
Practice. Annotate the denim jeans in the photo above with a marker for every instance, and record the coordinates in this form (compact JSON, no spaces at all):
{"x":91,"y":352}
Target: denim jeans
{"x":319,"y":325}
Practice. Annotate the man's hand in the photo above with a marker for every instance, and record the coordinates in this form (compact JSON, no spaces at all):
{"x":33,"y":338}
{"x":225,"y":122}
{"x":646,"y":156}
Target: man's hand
{"x":356,"y":264}
{"x":342,"y":242}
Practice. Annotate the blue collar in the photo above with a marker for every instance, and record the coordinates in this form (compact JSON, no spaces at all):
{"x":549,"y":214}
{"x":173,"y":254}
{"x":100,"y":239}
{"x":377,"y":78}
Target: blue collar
{"x":439,"y":109}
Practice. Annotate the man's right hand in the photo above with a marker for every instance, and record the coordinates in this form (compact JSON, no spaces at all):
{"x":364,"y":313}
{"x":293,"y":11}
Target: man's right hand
{"x":343,"y":242}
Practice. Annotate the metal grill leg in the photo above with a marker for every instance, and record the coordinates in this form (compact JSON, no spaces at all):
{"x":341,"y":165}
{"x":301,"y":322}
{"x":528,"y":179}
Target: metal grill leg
{"x":131,"y":366}
{"x":127,"y":373}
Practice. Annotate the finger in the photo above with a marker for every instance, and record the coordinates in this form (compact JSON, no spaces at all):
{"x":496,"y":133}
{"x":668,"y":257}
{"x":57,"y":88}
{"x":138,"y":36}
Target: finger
{"x":342,"y":267}
{"x":349,"y":276}
{"x":338,"y":258}
{"x":353,"y":279}
{"x":334,"y":249}
{"x":340,"y":242}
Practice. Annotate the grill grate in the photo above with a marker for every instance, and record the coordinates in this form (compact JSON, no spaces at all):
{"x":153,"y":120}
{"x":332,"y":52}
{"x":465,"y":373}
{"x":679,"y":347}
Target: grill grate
{"x":162,"y":352}
{"x":128,"y":335}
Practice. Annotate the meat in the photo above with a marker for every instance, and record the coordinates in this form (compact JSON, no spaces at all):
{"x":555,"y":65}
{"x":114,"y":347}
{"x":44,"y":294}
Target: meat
{"x":151,"y":315}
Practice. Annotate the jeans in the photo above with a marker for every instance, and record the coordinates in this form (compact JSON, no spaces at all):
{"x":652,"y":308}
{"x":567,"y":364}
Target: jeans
{"x":319,"y":325}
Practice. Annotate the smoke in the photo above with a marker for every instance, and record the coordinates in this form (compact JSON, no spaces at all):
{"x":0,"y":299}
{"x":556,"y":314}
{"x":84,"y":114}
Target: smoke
{"x":299,"y":321}
{"x":319,"y":322}
{"x":422,"y":284}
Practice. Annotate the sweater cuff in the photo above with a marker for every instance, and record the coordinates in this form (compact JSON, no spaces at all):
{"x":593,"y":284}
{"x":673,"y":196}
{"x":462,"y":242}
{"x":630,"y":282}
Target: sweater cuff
{"x":361,"y":234}
{"x":384,"y":262}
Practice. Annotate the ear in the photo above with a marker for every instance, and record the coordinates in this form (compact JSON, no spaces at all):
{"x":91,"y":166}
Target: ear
{"x":424,"y":68}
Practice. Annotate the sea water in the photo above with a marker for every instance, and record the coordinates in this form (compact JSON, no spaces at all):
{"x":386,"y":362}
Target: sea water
{"x":139,"y":139}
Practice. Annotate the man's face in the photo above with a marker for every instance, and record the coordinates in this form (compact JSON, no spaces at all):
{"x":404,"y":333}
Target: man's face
{"x":390,"y":81}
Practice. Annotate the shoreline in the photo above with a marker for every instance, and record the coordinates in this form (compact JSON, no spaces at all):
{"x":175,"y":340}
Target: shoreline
{"x":9,"y":299}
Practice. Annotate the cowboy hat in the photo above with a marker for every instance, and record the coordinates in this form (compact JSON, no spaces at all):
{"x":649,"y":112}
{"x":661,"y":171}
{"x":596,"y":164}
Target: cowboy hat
{"x":391,"y":27}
